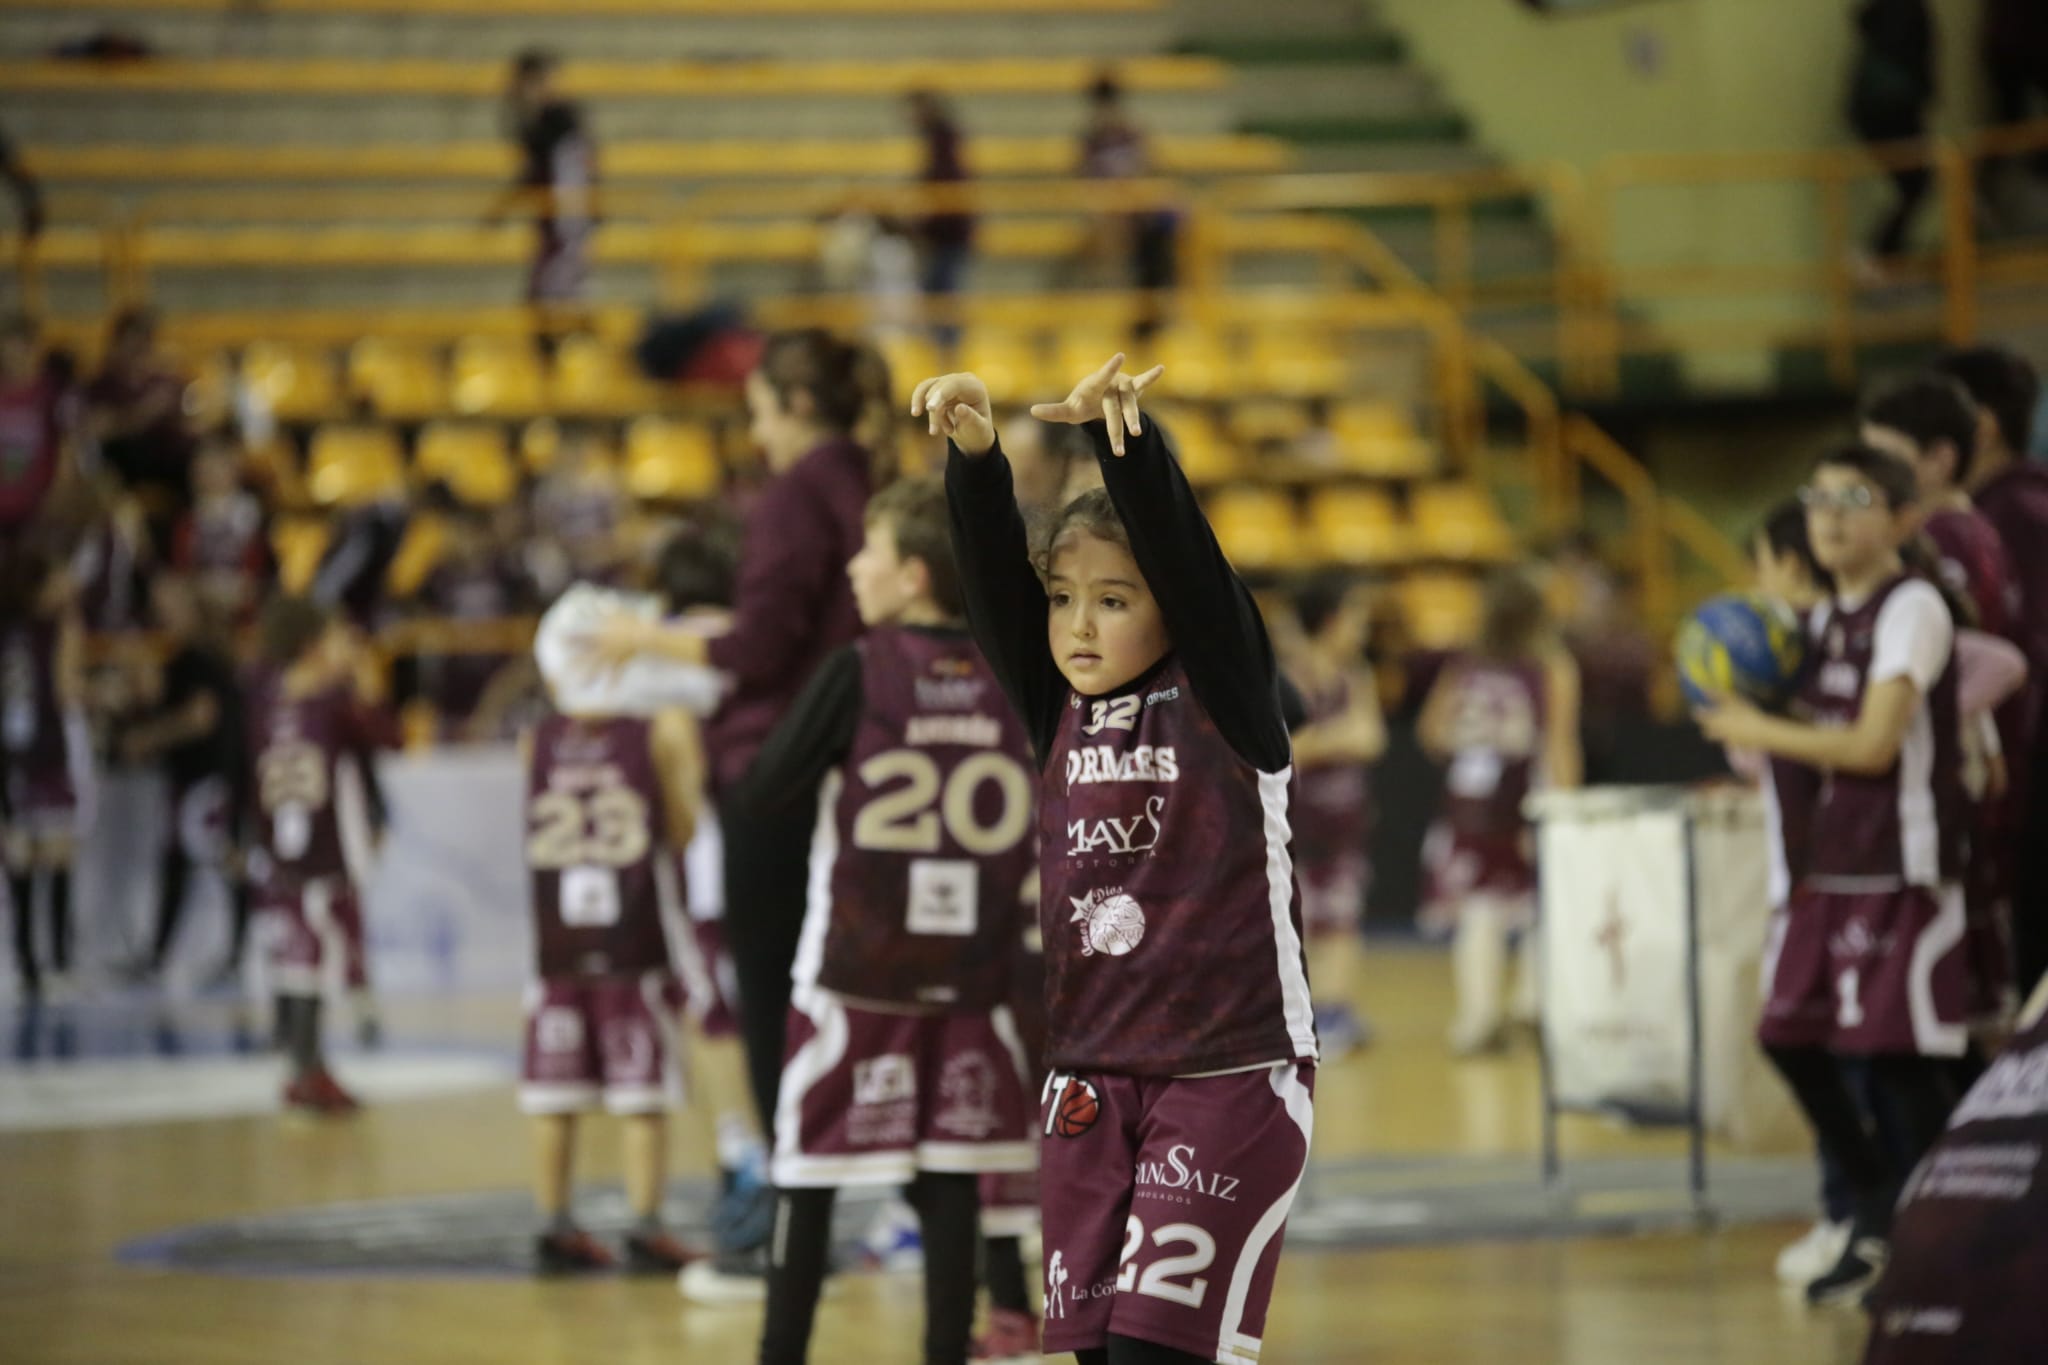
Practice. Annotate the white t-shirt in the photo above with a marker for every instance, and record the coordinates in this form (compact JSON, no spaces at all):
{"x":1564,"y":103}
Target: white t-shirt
{"x":1914,"y":638}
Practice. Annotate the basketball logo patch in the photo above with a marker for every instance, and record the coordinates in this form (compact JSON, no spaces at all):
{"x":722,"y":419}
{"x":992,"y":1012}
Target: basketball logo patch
{"x":1111,"y":922}
{"x":1075,"y":1109}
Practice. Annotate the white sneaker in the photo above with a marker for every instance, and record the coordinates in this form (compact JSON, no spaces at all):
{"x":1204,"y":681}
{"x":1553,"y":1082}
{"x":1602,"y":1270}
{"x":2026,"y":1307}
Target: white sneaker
{"x":1814,"y":1255}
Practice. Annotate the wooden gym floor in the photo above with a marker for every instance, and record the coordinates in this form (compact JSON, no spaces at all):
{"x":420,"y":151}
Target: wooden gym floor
{"x":68,"y":1198}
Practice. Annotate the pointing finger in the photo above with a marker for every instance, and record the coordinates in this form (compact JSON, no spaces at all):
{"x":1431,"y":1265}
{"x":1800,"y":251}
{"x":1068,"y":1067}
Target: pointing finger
{"x":1127,"y":395}
{"x":1114,"y":422}
{"x":1100,"y":379}
{"x":1142,"y":382}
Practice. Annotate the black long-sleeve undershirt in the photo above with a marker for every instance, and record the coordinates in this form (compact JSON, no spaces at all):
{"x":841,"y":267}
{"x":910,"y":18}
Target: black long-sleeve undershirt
{"x":810,"y":740}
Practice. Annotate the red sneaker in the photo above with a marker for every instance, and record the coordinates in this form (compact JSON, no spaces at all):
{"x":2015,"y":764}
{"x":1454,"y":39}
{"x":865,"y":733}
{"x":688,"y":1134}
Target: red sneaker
{"x":1011,"y":1339}
{"x":318,"y":1092}
{"x":657,"y":1253}
{"x":569,"y":1253}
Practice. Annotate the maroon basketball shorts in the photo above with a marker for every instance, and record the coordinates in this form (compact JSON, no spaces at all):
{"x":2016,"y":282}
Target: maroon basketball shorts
{"x":601,"y":1038}
{"x":1460,"y":865}
{"x":1869,"y":972}
{"x":1332,"y":892}
{"x":872,"y":1097}
{"x":43,"y":800}
{"x":1165,"y":1203}
{"x":307,"y":921}
{"x":1009,"y":1203}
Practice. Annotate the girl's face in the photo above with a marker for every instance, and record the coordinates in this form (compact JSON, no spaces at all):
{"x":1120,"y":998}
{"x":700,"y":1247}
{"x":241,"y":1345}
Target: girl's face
{"x":1852,"y":527}
{"x":781,"y":433}
{"x":1101,"y":621}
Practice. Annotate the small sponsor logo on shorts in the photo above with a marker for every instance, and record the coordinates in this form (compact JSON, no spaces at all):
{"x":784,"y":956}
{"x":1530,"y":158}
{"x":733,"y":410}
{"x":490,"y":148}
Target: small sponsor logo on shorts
{"x":887,"y":1079}
{"x":1055,"y":1285}
{"x":1928,"y":1322}
{"x":1075,"y":1107}
{"x":558,"y":1029}
{"x":967,"y":1096}
{"x":1182,"y":1173}
{"x":1111,"y":922}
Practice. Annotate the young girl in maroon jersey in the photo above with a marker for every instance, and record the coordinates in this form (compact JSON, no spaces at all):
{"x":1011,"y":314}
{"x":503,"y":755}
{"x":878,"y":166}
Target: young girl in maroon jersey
{"x":1503,"y":719}
{"x":1180,"y":1031}
{"x":1871,"y":963}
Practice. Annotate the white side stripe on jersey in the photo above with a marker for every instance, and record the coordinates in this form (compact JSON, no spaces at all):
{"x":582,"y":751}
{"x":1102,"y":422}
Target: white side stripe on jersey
{"x":1294,"y":999}
{"x":810,"y":944}
{"x":1232,"y":1346}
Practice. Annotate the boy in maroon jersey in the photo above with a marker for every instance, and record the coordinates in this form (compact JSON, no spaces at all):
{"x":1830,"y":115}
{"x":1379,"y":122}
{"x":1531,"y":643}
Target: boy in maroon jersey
{"x":45,"y":759}
{"x":904,"y":1065}
{"x":1503,"y":718}
{"x":1344,"y":734}
{"x":304,"y":719}
{"x":1931,"y":423}
{"x":1871,"y":963}
{"x":1180,"y":1029}
{"x":608,"y":798}
{"x":1970,"y":1243}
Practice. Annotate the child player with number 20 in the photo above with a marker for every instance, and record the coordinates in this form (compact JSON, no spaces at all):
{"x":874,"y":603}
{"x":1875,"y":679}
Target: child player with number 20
{"x":1180,"y":1034}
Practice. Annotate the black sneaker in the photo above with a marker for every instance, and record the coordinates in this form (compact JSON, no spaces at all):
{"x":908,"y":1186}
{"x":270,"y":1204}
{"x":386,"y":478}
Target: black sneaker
{"x":1862,"y":1261}
{"x":570,"y":1252}
{"x":657,"y":1253}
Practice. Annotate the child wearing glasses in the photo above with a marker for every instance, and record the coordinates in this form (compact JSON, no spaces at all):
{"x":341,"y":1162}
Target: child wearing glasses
{"x":1869,"y":962}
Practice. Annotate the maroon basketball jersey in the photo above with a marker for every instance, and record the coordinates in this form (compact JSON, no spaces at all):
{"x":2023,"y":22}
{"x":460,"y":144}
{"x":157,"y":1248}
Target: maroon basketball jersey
{"x":594,"y":833}
{"x":223,"y":536}
{"x":931,"y":824}
{"x":1496,"y":711}
{"x":32,"y":427}
{"x":1968,"y":1261}
{"x":31,"y":713}
{"x":1973,"y":563}
{"x":297,"y":744}
{"x":1790,"y":792}
{"x":1905,"y":824}
{"x":1171,"y":920}
{"x":1333,"y":811}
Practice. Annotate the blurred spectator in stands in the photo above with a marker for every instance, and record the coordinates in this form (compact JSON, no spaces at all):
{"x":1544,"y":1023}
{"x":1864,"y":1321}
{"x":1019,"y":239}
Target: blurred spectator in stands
{"x":2015,"y":39}
{"x":28,"y":195}
{"x":871,"y":254}
{"x":945,"y":240}
{"x":136,"y":408}
{"x":1617,"y":659}
{"x":1891,"y":87}
{"x":223,"y":543}
{"x":477,"y":579}
{"x":577,"y":509}
{"x":1113,"y":147}
{"x":351,"y":577}
{"x":112,"y":563}
{"x":38,"y":421}
{"x":558,"y":173}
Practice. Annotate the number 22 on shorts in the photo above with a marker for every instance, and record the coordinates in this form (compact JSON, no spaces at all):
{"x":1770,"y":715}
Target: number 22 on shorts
{"x":1159,"y":1279}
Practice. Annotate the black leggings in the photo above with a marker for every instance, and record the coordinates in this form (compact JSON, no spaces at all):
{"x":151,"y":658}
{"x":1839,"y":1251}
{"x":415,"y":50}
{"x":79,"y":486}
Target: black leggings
{"x":767,"y":874}
{"x":21,"y":888}
{"x":174,"y":877}
{"x":1913,"y":1096}
{"x":1911,"y":182}
{"x":1132,"y":1351}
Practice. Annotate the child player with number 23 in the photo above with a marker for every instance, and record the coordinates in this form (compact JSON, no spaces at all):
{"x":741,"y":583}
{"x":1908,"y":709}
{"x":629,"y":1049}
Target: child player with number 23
{"x":1181,"y":1038}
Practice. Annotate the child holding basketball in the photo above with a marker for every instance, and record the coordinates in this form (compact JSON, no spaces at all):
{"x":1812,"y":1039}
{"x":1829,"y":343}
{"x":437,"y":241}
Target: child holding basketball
{"x":1871,"y":963}
{"x":1180,"y":1032}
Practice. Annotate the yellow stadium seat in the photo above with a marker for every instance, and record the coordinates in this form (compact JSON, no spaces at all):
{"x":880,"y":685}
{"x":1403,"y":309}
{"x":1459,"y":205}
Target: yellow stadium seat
{"x":595,"y":378}
{"x":1459,"y":521}
{"x":347,"y":465}
{"x":298,"y":543}
{"x":1442,"y":610}
{"x":1197,"y":360}
{"x":912,"y":358}
{"x":1207,"y":455}
{"x":401,"y":380}
{"x":670,"y":461}
{"x":419,"y":550}
{"x":1008,"y":363}
{"x":472,"y":458}
{"x":275,"y":466}
{"x":299,"y":383}
{"x":1381,"y":440}
{"x":1257,"y":528}
{"x":1082,"y":349}
{"x":497,"y":377}
{"x":1269,"y":419}
{"x":1357,"y":526}
{"x":1296,"y":362}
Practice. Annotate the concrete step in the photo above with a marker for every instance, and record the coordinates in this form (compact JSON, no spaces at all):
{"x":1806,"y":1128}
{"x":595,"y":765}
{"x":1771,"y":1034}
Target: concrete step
{"x":73,"y":118}
{"x":1388,"y":93}
{"x":632,"y":37}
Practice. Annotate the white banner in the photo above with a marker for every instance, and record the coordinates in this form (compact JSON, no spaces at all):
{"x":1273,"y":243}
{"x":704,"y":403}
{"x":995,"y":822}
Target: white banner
{"x":1616,"y":1018}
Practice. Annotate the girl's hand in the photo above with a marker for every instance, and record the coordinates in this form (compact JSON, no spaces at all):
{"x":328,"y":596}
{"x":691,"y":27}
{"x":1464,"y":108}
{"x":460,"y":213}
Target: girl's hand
{"x":1731,"y":720}
{"x":957,"y":406}
{"x":1107,"y":394}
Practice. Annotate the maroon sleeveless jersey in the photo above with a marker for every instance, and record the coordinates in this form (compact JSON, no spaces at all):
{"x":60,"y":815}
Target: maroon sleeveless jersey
{"x":1333,"y":811}
{"x":1968,"y":1258}
{"x":932,"y":828}
{"x":1905,"y":825}
{"x":1171,"y":920}
{"x":297,"y":744}
{"x":594,"y":832}
{"x":1972,"y":561}
{"x":1495,"y":741}
{"x":32,"y":428}
{"x":31,"y":714}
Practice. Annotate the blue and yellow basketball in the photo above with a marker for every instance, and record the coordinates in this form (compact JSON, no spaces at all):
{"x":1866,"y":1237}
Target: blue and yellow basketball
{"x":1741,"y":643}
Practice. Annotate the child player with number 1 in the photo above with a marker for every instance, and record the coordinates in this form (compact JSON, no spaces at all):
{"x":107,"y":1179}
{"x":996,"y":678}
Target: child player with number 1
{"x":1180,"y":1033}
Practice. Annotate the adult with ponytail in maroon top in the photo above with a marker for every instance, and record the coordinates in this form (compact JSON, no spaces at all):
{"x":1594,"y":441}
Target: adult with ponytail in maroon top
{"x":810,"y":399}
